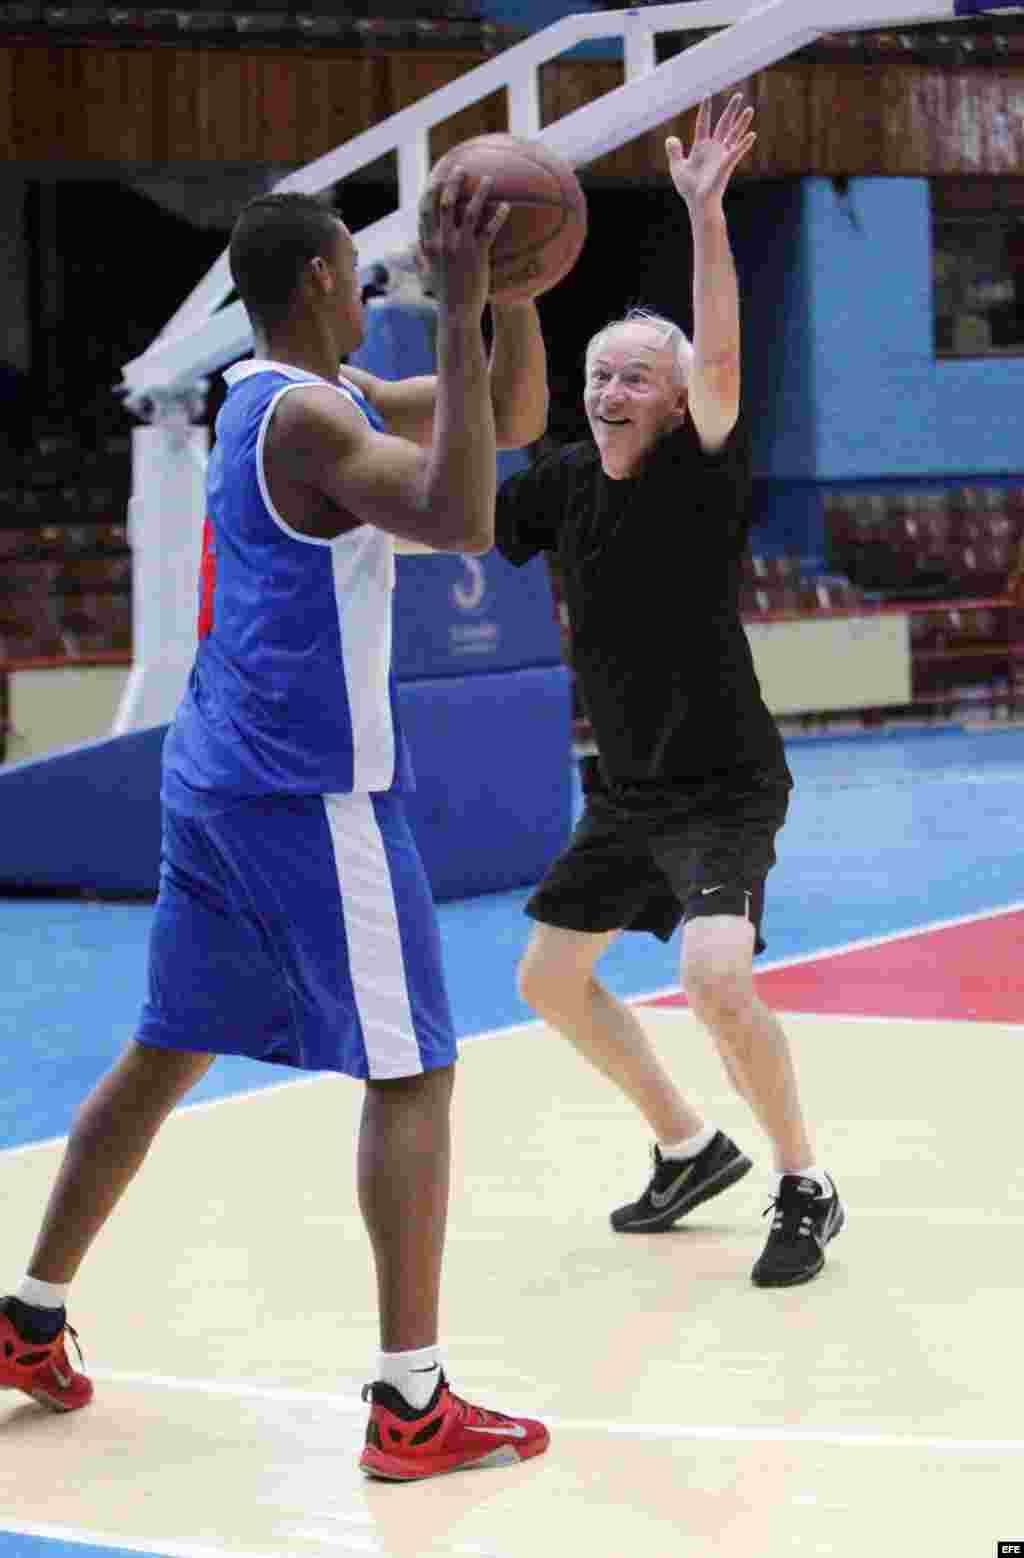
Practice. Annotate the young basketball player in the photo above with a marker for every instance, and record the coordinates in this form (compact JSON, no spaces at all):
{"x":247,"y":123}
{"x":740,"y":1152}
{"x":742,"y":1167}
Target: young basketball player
{"x":648,"y":522}
{"x":295,"y":923}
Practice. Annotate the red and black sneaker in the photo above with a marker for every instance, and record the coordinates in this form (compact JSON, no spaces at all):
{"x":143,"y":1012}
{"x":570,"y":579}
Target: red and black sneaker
{"x":40,"y":1368}
{"x":403,"y":1444}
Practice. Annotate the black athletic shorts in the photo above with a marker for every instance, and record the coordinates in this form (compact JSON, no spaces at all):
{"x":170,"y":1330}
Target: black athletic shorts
{"x":648,"y":858}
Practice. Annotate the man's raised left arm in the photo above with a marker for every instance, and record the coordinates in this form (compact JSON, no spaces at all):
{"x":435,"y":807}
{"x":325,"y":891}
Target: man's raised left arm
{"x":701,"y":179}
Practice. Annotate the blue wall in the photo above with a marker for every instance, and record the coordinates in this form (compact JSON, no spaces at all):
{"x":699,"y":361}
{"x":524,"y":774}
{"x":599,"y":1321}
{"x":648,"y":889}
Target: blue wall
{"x":769,"y":237}
{"x":766,"y":224}
{"x":842,"y":384}
{"x":881,"y":403}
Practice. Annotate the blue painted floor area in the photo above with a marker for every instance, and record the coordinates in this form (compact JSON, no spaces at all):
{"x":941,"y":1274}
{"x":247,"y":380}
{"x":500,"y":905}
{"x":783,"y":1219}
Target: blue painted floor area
{"x":885,"y":832}
{"x":896,"y":831}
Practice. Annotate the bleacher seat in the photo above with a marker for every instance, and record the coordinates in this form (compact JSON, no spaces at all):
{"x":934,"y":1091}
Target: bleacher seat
{"x":94,"y":623}
{"x":28,"y":577}
{"x":925,"y":631}
{"x":983,"y":568}
{"x":27,"y":629}
{"x":762,"y":570}
{"x":928,"y":521}
{"x":94,"y":576}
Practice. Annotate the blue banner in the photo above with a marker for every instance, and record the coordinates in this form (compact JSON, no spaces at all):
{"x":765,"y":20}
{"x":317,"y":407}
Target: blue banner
{"x":461,"y":616}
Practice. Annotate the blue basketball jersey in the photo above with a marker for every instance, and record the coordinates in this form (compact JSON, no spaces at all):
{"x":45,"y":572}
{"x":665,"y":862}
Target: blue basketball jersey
{"x":291,"y":691}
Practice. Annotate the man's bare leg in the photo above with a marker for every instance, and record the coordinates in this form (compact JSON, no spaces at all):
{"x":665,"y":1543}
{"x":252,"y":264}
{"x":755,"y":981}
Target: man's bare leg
{"x":717,"y":975}
{"x":108,"y":1142}
{"x":556,"y":979}
{"x":404,"y":1170}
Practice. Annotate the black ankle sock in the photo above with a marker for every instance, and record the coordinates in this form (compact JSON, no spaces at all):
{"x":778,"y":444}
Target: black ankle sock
{"x":33,"y":1323}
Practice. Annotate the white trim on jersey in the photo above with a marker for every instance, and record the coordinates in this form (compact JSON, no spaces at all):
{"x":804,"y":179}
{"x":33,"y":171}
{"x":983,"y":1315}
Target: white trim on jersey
{"x":261,"y":474}
{"x":246,"y":370}
{"x":376,"y":960}
{"x":364,"y":581}
{"x":300,"y":380}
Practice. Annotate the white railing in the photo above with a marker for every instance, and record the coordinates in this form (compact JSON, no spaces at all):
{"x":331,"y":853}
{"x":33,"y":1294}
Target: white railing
{"x":202,"y":336}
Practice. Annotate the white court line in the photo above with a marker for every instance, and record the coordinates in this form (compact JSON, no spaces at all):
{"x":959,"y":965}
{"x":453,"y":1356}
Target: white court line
{"x":709,"y":1433}
{"x":315,"y":1079}
{"x":1011,"y":1028}
{"x":633,"y":1000}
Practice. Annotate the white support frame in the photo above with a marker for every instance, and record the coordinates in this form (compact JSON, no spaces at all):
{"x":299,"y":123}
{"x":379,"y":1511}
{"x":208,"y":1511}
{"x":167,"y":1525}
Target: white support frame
{"x":204,"y":336}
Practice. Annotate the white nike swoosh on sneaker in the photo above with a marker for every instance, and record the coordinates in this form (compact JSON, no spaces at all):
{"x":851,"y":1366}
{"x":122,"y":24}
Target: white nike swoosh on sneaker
{"x":63,"y":1380}
{"x":513,"y":1431}
{"x":661,"y":1198}
{"x":706,"y":890}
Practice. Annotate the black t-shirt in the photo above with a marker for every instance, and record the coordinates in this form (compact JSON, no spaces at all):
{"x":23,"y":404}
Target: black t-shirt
{"x":651,"y":571}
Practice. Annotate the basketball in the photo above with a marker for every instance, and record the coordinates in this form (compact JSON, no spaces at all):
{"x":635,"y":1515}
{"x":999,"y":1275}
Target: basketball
{"x":544,"y":231}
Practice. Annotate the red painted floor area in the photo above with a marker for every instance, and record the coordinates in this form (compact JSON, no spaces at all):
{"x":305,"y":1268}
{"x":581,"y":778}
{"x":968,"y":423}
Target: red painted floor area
{"x":972,"y":972}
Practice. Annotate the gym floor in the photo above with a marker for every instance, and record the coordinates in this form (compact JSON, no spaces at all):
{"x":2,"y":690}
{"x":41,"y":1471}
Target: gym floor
{"x":227,"y":1312}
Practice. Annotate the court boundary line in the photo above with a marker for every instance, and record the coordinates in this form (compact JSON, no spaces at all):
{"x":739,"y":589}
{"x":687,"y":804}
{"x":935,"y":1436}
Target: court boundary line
{"x":318,"y":1078}
{"x":731,"y":1433}
{"x":643,"y":999}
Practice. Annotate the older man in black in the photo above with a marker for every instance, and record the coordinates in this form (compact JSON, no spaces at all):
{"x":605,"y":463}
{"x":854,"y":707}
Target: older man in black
{"x":648,"y":522}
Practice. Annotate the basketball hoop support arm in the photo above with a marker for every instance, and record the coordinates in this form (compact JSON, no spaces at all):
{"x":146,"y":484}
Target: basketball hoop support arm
{"x":165,"y":515}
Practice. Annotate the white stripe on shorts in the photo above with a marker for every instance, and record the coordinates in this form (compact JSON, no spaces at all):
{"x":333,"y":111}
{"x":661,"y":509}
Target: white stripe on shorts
{"x":374,"y":943}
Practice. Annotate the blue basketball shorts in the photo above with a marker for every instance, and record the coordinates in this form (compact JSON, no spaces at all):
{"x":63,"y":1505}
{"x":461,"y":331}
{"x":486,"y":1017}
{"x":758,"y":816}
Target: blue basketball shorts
{"x":301,"y":931}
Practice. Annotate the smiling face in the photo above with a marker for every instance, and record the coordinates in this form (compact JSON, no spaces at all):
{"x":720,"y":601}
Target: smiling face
{"x":633,"y":394}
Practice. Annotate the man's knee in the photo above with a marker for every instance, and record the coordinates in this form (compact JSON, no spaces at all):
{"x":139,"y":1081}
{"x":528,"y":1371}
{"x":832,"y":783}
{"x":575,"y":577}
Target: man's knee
{"x":720,"y":992}
{"x":551,"y":984}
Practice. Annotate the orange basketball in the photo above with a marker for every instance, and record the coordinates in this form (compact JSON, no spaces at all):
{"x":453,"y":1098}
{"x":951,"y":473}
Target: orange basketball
{"x":543,"y":233}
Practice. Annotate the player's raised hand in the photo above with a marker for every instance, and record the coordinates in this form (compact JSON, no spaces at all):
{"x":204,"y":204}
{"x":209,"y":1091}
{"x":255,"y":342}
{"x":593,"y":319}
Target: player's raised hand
{"x":704,"y":174}
{"x":456,"y":234}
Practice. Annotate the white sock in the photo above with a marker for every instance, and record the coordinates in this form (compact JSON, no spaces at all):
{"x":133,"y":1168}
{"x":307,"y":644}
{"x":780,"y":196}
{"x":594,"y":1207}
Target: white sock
{"x":690,"y":1145}
{"x":819,"y":1176}
{"x":43,"y":1295}
{"x":415,"y":1374}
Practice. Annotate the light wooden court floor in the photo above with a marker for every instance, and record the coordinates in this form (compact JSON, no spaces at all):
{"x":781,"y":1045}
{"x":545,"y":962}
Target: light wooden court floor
{"x":228,"y":1316}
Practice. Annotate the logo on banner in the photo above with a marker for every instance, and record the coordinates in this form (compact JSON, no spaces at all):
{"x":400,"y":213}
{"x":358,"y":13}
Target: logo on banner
{"x":468,"y":594}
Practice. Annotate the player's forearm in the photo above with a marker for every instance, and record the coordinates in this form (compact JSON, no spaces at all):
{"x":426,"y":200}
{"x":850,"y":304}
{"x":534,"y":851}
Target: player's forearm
{"x":519,"y":375}
{"x":461,"y":470}
{"x":715,"y":385}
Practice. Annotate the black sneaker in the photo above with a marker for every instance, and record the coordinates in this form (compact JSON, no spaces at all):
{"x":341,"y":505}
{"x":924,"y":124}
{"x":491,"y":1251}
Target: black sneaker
{"x":804,"y":1222}
{"x":680,"y":1184}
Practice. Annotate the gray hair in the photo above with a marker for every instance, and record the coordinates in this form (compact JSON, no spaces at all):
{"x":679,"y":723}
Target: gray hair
{"x":670,"y":336}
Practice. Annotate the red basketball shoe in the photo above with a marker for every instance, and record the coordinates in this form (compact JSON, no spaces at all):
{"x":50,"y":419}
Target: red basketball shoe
{"x":40,"y":1369}
{"x":403,"y":1445}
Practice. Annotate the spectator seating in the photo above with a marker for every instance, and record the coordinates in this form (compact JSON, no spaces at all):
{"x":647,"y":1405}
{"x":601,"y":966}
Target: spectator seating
{"x":961,"y":541}
{"x":65,"y":576}
{"x":65,"y":564}
{"x":954,"y":559}
{"x":440,"y":21}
